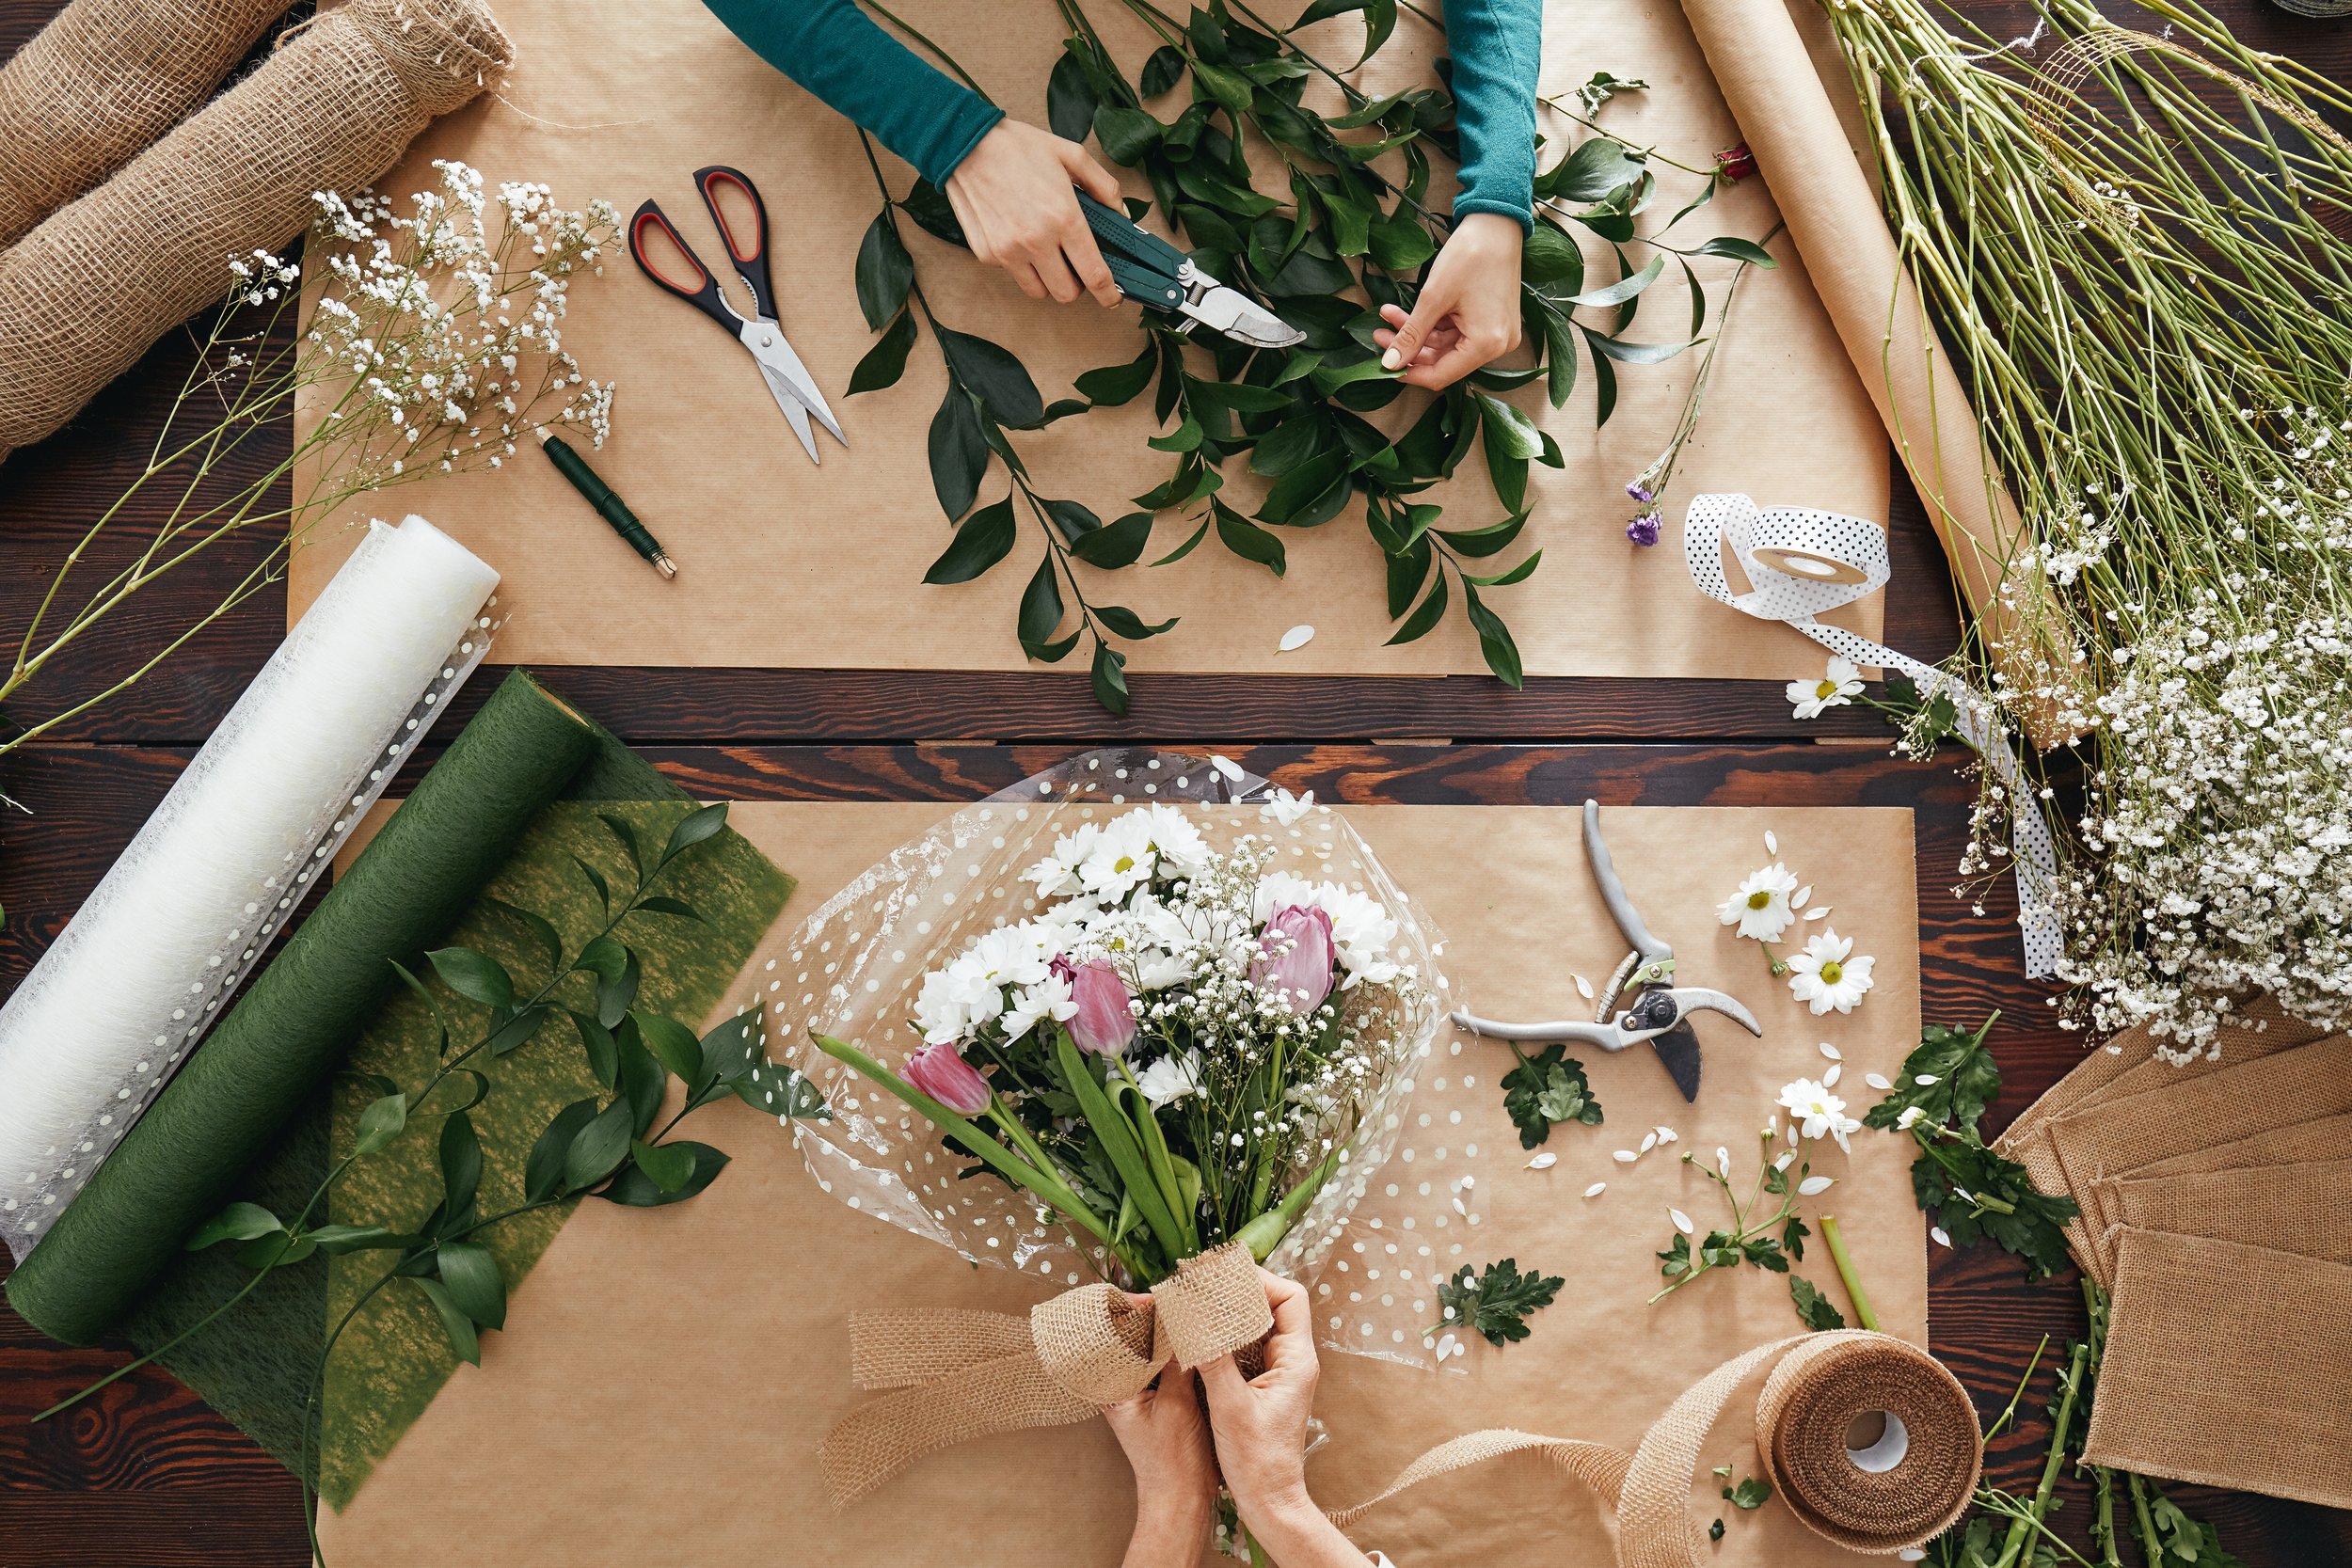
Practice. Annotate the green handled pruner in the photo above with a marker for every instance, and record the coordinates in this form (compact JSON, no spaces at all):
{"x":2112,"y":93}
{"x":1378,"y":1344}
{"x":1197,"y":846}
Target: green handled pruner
{"x":1153,"y":273}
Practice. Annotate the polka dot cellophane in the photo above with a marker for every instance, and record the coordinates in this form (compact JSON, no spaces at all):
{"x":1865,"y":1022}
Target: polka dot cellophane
{"x":1374,"y":1244}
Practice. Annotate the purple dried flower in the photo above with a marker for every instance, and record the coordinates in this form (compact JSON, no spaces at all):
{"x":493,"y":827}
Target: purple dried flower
{"x":1643,"y":530}
{"x":1640,"y":492}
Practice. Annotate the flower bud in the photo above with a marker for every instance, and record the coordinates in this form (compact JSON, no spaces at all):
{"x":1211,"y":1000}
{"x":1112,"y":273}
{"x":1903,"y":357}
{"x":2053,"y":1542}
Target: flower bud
{"x":947,"y":1077}
{"x":1105,"y":1019}
{"x":1303,"y":971}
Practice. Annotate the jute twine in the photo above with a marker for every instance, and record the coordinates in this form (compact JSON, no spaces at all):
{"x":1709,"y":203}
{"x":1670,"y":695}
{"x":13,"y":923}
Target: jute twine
{"x":87,"y":291}
{"x":1819,"y":1384}
{"x":962,"y":1374}
{"x":99,"y":82}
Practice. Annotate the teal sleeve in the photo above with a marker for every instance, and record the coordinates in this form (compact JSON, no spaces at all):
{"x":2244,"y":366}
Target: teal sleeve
{"x":1496,"y":46}
{"x":837,"y":53}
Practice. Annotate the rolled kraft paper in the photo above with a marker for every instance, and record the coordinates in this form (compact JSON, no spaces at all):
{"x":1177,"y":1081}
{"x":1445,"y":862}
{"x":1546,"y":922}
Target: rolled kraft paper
{"x":1905,"y":1488}
{"x":1833,"y":216}
{"x":99,"y":82}
{"x":295,"y":1023}
{"x":83,"y":295}
{"x":153,"y":953}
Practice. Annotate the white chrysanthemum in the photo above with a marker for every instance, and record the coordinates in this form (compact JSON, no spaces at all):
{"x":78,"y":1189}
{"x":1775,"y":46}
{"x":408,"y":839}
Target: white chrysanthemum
{"x":1827,"y":974}
{"x":1815,"y":1112}
{"x":1842,"y":685}
{"x":1287,"y":809}
{"x":1032,"y":1005}
{"x":1171,"y":1078}
{"x":1057,"y":876}
{"x":1761,"y":908}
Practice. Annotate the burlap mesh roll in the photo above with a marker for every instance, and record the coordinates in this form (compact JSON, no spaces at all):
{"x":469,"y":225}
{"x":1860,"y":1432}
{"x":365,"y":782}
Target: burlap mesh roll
{"x":102,"y":80}
{"x":83,"y":295}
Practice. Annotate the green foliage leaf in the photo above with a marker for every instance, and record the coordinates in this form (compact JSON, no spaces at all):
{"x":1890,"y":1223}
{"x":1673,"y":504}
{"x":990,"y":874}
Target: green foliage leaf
{"x":1737,"y":249}
{"x":463,"y":1339}
{"x":1109,"y":678}
{"x":1040,"y":614}
{"x":1624,"y":289}
{"x":380,"y":1123}
{"x":600,"y":1145}
{"x":541,"y":929}
{"x":1401,"y":242}
{"x":661,"y":903}
{"x":603,"y":1055}
{"x":633,"y":1188}
{"x":461,"y":1165}
{"x":338,"y":1239}
{"x":929,"y":206}
{"x":1125,"y":135}
{"x":1752,"y":1492}
{"x":1127,"y":623}
{"x":884,"y":271}
{"x":1494,"y":640}
{"x":1163,"y":70}
{"x":1115,"y":386}
{"x":702,"y":823}
{"x":1599,"y":165}
{"x":672,"y":1043}
{"x":471,"y":1277}
{"x":959,"y":451}
{"x":1116,"y":543}
{"x":981,"y":541}
{"x":1951,"y":1079}
{"x":542,"y":1170}
{"x":666,"y":1166}
{"x":1070,"y":96}
{"x":476,"y":976}
{"x":1815,"y":1310}
{"x":1495,"y":1302}
{"x":1248,"y":541}
{"x":886,"y":361}
{"x":238,"y":1222}
{"x":1545,"y":1090}
{"x":993,"y":374}
{"x":1425,"y":619}
{"x":1308,"y":487}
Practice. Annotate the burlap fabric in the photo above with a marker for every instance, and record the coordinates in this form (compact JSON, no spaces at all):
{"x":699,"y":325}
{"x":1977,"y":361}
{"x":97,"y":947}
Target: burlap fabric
{"x":85,"y":293}
{"x":2325,"y":1138}
{"x":2228,"y":1365}
{"x":1819,"y":1384}
{"x":99,"y":82}
{"x":2295,"y":1207}
{"x":963,"y":1374}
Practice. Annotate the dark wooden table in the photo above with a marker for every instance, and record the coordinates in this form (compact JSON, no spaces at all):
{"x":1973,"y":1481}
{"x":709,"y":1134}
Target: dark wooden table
{"x":147,"y":1474}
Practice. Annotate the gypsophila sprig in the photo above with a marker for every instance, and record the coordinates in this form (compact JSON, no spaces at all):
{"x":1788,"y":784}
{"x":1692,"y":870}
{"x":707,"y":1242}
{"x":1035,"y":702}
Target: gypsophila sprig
{"x":434,"y":346}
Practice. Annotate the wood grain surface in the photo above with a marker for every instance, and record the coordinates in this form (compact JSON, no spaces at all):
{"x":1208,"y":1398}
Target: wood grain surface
{"x":147,"y":1474}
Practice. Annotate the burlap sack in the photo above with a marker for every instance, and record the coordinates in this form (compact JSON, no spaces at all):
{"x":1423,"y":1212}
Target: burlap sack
{"x":2323,"y":1138}
{"x":83,"y":295}
{"x":2228,"y":1365}
{"x":104,"y":79}
{"x":2288,"y":1208}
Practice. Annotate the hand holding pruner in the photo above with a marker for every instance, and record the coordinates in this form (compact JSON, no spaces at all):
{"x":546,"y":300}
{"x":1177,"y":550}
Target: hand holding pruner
{"x":1661,"y":1010}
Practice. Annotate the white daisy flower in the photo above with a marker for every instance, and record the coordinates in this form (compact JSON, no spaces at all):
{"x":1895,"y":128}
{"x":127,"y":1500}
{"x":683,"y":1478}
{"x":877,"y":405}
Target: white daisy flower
{"x":1171,"y":1078}
{"x":1827,"y":974}
{"x":1842,"y":685}
{"x":1760,"y":908}
{"x":1817,"y":1112}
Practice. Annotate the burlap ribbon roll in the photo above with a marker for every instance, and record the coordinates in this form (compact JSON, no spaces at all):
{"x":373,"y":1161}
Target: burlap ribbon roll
{"x":99,"y":82}
{"x":83,"y":295}
{"x":963,"y":1374}
{"x":1910,"y":1486}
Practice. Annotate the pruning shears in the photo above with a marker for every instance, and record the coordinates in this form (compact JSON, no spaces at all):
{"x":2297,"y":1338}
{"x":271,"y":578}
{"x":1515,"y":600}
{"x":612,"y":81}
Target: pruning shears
{"x":1660,"y":1009}
{"x":1156,"y":275}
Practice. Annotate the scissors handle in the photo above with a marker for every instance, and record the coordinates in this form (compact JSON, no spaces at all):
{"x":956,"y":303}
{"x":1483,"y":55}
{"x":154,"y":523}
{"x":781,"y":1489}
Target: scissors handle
{"x":700,"y":290}
{"x":1145,"y":267}
{"x":751,"y":260}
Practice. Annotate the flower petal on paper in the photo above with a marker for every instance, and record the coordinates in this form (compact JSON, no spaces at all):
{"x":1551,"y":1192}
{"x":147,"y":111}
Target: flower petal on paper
{"x":1625,"y":1156}
{"x":1228,"y":766}
{"x":1832,"y":1051}
{"x":1813,"y":1184}
{"x":1584,"y":987}
{"x":1297,"y":637}
{"x":1936,"y":1231}
{"x":1682,"y":1221}
{"x":1650,"y":1141}
{"x":1802,"y":897}
{"x":1819,"y":911}
{"x":1876,"y":1080}
{"x":1543,"y":1162}
{"x":1597,"y":1189}
{"x":1772,"y":846}
{"x":1836,"y":1070}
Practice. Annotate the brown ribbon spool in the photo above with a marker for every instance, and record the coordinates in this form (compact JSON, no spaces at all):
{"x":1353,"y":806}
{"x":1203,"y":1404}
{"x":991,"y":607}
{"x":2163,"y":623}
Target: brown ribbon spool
{"x":1820,"y":1383}
{"x":962,"y":1374}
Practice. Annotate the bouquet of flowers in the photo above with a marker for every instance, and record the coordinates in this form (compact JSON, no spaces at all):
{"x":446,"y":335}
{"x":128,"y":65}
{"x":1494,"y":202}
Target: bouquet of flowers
{"x":1155,"y":1030}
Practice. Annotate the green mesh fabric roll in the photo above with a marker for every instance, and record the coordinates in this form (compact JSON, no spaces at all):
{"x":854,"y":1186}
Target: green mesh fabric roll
{"x":291,"y":1026}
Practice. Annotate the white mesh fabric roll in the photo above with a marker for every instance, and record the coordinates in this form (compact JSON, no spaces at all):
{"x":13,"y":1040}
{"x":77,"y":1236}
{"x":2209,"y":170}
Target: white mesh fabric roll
{"x":143,"y":967}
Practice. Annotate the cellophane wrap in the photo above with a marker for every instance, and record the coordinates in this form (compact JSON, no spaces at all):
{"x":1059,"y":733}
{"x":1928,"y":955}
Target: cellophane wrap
{"x":1397,"y":1217}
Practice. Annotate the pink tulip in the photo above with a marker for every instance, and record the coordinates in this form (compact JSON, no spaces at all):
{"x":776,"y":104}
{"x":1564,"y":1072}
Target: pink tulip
{"x":938,"y":1071}
{"x":1303,"y":973}
{"x":1104,"y":1021}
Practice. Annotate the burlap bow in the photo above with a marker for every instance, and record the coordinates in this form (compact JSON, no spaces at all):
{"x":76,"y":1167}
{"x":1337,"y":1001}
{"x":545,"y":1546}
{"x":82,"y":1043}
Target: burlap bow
{"x":963,"y":1374}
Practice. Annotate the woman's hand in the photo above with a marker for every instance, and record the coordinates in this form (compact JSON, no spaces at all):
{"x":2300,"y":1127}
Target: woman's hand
{"x":1166,"y":1441}
{"x":1012,"y":193}
{"x":1259,"y":1425}
{"x":1468,"y":308}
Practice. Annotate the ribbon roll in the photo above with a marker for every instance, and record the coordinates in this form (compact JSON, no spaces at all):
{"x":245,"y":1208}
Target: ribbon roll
{"x":1800,"y":563}
{"x":1904,"y":1489}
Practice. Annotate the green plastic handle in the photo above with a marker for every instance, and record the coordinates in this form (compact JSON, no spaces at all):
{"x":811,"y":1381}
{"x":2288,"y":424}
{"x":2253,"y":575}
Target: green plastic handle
{"x":1144,"y":266}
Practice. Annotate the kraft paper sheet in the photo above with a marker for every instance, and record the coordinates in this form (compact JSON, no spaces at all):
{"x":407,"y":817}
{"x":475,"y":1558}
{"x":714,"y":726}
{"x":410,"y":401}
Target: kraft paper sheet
{"x":783,"y":564}
{"x":703,"y":1349}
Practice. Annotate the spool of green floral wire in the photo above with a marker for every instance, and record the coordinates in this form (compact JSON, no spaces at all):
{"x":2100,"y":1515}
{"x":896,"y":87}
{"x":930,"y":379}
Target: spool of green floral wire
{"x":297,"y":1019}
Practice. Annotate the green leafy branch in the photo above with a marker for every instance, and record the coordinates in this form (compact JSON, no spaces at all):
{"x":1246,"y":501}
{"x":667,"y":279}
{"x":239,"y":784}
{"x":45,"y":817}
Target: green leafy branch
{"x":1545,"y":1090}
{"x":1495,"y":1302}
{"x":1768,"y":1235}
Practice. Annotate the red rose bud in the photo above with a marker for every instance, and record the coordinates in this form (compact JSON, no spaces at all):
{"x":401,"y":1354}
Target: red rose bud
{"x":1303,"y":973}
{"x":1735,"y":164}
{"x":938,"y":1071}
{"x":1104,"y":1022}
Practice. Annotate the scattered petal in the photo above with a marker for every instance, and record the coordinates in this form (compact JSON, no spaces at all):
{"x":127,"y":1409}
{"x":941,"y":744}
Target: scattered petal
{"x":1771,"y":842}
{"x":1650,"y":1141}
{"x":1597,"y":1189}
{"x":1813,"y":1184}
{"x":1543,"y":1162}
{"x":1876,"y":1080}
{"x":1832,"y":1051}
{"x":1925,"y":1079}
{"x":1802,"y":897}
{"x":1936,"y":1232}
{"x":1665,"y":1134}
{"x":1836,"y":1070}
{"x":1584,"y":987}
{"x":1787,"y":1158}
{"x":1819,"y":911}
{"x":1682,"y":1221}
{"x":1297,"y":637}
{"x":1228,"y":766}
{"x":1625,"y":1156}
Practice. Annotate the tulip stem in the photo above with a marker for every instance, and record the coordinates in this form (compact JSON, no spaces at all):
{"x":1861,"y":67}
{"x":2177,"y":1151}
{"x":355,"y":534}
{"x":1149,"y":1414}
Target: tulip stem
{"x":1835,"y":1241}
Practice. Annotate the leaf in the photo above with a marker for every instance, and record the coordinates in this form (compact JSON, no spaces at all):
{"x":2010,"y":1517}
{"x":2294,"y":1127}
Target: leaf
{"x":550,"y":938}
{"x":1961,"y":1080}
{"x":1624,"y":289}
{"x":1186,"y":547}
{"x":991,"y":372}
{"x":884,"y":272}
{"x":886,"y":361}
{"x":274,"y":1251}
{"x":1425,"y":619}
{"x":515,"y":1033}
{"x":1307,"y":483}
{"x":783,"y":1093}
{"x":1494,"y":640}
{"x":1401,"y":242}
{"x":1519,"y":573}
{"x":1040,"y":615}
{"x":1163,"y":70}
{"x":1126,"y":135}
{"x":643,"y":1080}
{"x":463,"y":1339}
{"x":1229,"y":89}
{"x":337,"y":1239}
{"x":731,"y":1050}
{"x":461,"y":1164}
{"x":600,"y":1147}
{"x":1737,"y":249}
{"x":703,"y":822}
{"x":473,"y":976}
{"x":983,"y":539}
{"x":1814,"y":1309}
{"x":1114,"y":386}
{"x":1248,"y":541}
{"x":422,"y":992}
{"x":1477,"y":542}
{"x":1632,"y":354}
{"x":595,"y":881}
{"x":1496,"y":1301}
{"x":1545,"y":1090}
{"x":1598,"y":166}
{"x":617,"y":993}
{"x":661,"y":903}
{"x":1116,"y":543}
{"x":1507,"y":429}
{"x":379,"y":1123}
{"x":1109,"y":678}
{"x":1127,"y":623}
{"x":959,"y":451}
{"x":239,"y":1221}
{"x":543,"y":1171}
{"x":1752,"y":1492}
{"x":471,"y":1277}
{"x":672,"y":1043}
{"x":1551,"y":259}
{"x":634,"y":1189}
{"x":1070,"y":96}
{"x":666,"y":1166}
{"x":929,"y":206}
{"x":603,"y":1055}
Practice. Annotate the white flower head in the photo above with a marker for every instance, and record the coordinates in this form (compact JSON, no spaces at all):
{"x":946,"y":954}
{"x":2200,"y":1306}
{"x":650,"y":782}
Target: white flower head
{"x":1171,"y":1078}
{"x":1815,"y":1112}
{"x":1034,"y":1003}
{"x":1761,"y":908}
{"x":1839,"y":686}
{"x":1828,"y":974}
{"x":1058,"y":875}
{"x":1287,"y":809}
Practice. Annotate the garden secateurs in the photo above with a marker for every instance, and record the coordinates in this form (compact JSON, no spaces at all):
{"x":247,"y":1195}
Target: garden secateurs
{"x":1155,"y":274}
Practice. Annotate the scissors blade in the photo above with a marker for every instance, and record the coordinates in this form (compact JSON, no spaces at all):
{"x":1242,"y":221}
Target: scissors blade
{"x":786,"y":374}
{"x":794,"y":414}
{"x":1678,"y":1048}
{"x":1238,"y":316}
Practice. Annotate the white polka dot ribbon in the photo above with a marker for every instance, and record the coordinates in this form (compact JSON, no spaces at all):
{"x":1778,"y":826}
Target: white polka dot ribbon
{"x":1800,"y":563}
